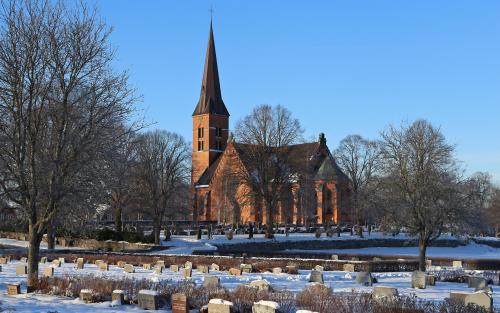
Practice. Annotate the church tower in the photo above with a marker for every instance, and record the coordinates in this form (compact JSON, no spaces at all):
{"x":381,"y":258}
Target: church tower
{"x":210,"y":117}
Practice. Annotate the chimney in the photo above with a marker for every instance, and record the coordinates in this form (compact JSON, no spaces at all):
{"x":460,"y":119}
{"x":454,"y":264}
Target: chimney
{"x":322,"y":139}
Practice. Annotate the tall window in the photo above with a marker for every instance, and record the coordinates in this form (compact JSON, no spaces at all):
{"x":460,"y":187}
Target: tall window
{"x":218,"y":132}
{"x":218,"y":145}
{"x":200,"y":145}
{"x":200,"y":132}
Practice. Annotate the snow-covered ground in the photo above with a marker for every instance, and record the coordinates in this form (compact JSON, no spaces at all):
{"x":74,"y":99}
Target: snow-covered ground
{"x":339,"y":281}
{"x":24,"y":244}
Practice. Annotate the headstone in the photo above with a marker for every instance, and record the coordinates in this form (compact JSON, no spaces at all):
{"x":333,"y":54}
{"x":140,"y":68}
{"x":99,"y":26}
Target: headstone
{"x":23,"y":260}
{"x":43,"y":259}
{"x":80,"y":260}
{"x":430,"y":280}
{"x":203,"y":269}
{"x":56,"y":263}
{"x":174,"y":268}
{"x":62,"y":260}
{"x":265,"y":307}
{"x":384,"y":293}
{"x":160,"y":263}
{"x":48,"y":272}
{"x":377,"y":259}
{"x":3,"y":260}
{"x":188,"y":265}
{"x":277,"y":270}
{"x":292,"y":270}
{"x":148,"y":299}
{"x":146,"y":266}
{"x":179,"y":303}
{"x":261,"y":285}
{"x":418,"y":280}
{"x":121,"y":264}
{"x":188,"y":272}
{"x":210,"y":281}
{"x":86,"y":295}
{"x":459,"y":296}
{"x":354,"y":259}
{"x":80,"y":264}
{"x":428,"y":263}
{"x":234,"y":272}
{"x":335,"y":257}
{"x":364,"y":278}
{"x":348,"y":267}
{"x":158,"y":270}
{"x":481,"y":299}
{"x":319,"y":268}
{"x":478,"y":283}
{"x":13,"y":289}
{"x":219,"y":306}
{"x":21,"y":269}
{"x":104,"y":267}
{"x":457,"y":264}
{"x":214,"y":267}
{"x":98,"y":262}
{"x":316,"y":277}
{"x":118,"y":297}
{"x":129,"y":268}
{"x":246,"y":268}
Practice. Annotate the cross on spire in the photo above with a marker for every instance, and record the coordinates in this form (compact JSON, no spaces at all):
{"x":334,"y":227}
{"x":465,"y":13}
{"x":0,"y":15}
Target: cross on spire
{"x":211,"y":11}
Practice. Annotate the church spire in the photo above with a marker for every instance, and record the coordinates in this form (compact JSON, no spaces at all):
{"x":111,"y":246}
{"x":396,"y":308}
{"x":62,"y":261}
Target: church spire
{"x":210,"y":96}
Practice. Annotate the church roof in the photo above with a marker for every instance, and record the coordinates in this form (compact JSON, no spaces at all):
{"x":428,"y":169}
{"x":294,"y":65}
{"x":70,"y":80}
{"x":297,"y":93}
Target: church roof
{"x":210,"y":101}
{"x":329,"y":170}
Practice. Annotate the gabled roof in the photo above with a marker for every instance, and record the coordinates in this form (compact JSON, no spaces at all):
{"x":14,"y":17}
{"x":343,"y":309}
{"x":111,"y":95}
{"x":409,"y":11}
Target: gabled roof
{"x":329,"y":170}
{"x":210,"y":101}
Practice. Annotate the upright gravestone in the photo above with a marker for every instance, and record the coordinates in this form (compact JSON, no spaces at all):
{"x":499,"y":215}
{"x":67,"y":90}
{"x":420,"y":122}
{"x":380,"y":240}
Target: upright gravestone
{"x":335,"y":257}
{"x":277,"y":270}
{"x":316,"y":277}
{"x":246,"y":268}
{"x":418,"y":280}
{"x":348,"y":267}
{"x":382,"y":293}
{"x":103,"y":267}
{"x":478,"y":283}
{"x":210,"y":281}
{"x":430,"y":280}
{"x":146,"y":266}
{"x":364,"y":278}
{"x":48,"y":272}
{"x":129,"y":268}
{"x":179,"y":303}
{"x":21,"y":269}
{"x":214,"y":267}
{"x":265,"y":307}
{"x":148,"y":299}
{"x":24,"y":259}
{"x":292,"y":270}
{"x":121,"y":264}
{"x":160,"y":263}
{"x":62,"y":260}
{"x":43,"y":259}
{"x":56,"y":263}
{"x":219,"y":306}
{"x":158,"y":270}
{"x":3,"y":260}
{"x":203,"y":269}
{"x":188,"y":272}
{"x":481,"y":299}
{"x":319,"y":268}
{"x":174,"y":268}
{"x":188,"y":265}
{"x":234,"y":272}
{"x":13,"y":289}
{"x":118,"y":297}
{"x":261,"y":285}
{"x":80,"y":264}
{"x":86,"y":295}
{"x":457,"y":264}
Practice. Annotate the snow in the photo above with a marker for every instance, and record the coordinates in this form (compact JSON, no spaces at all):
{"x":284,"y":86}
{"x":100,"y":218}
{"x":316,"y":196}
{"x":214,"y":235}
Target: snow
{"x":220,"y":301}
{"x":149,"y":292}
{"x":270,"y":304}
{"x":337,"y":280}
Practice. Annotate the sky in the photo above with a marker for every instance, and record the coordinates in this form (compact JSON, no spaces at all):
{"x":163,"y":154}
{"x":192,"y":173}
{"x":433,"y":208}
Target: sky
{"x":341,"y":67}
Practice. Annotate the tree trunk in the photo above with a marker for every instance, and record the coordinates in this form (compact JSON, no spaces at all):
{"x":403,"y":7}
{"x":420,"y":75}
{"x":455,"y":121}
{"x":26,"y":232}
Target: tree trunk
{"x":51,"y":235}
{"x":118,"y":219}
{"x":422,"y":249}
{"x":33,"y":254}
{"x":156,"y":232}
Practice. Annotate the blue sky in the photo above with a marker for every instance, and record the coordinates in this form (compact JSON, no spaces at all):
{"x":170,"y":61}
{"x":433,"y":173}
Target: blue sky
{"x":341,"y":67}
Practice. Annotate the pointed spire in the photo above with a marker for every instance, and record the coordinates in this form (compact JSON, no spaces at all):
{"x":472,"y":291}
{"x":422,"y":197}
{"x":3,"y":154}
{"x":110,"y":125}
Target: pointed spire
{"x":210,"y":96}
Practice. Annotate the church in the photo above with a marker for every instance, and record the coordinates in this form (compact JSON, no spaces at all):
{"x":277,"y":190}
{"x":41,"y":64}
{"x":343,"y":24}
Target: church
{"x":320,"y":195}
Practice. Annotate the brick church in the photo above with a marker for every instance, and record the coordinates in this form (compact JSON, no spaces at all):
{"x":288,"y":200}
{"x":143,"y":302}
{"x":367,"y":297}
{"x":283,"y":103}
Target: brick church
{"x":320,"y":195}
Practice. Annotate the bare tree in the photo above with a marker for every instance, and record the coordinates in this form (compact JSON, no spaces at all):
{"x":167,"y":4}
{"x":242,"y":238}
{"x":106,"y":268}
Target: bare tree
{"x":360,"y":159}
{"x":60,"y":102}
{"x":267,"y":133}
{"x":423,"y":183}
{"x":494,"y":211}
{"x":162,"y":168}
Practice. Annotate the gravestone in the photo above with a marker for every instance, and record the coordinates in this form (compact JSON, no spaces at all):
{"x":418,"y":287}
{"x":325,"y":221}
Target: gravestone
{"x":13,"y":289}
{"x":129,"y":268}
{"x":478,"y":283}
{"x":457,"y":264}
{"x":98,"y":262}
{"x":62,"y":260}
{"x":319,"y":268}
{"x":188,"y":265}
{"x":219,"y":306}
{"x":481,"y":299}
{"x":428,"y":263}
{"x":292,"y":270}
{"x":121,"y":264}
{"x":316,"y":277}
{"x":103,"y":267}
{"x":179,"y":303}
{"x":335,"y":257}
{"x":418,"y":280}
{"x":23,"y":260}
{"x":56,"y":263}
{"x":354,"y":259}
{"x":214,"y":267}
{"x":261,"y":285}
{"x":43,"y":259}
{"x":86,"y":295}
{"x":188,"y":272}
{"x":158,"y":270}
{"x":364,"y":278}
{"x":265,"y":307}
{"x":3,"y":260}
{"x":348,"y":267}
{"x":118,"y":297}
{"x":246,"y":268}
{"x":160,"y":263}
{"x":430,"y":280}
{"x":210,"y":281}
{"x":48,"y":272}
{"x":148,"y":299}
{"x":203,"y":269}
{"x":174,"y":268}
{"x":459,"y":296}
{"x":377,"y":259}
{"x":146,"y":266}
{"x":80,"y":264}
{"x":234,"y":272}
{"x":384,"y":293}
{"x":277,"y":270}
{"x":21,"y":269}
